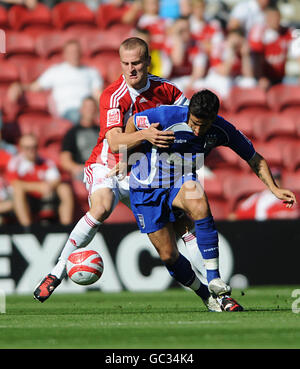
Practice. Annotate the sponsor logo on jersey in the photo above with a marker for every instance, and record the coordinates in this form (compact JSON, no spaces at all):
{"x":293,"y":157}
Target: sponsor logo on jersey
{"x":113,"y":117}
{"x":142,"y":122}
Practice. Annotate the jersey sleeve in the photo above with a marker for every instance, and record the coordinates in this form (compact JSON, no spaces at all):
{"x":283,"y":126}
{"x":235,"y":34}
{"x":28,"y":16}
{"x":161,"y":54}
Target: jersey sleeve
{"x":238,"y":142}
{"x":110,"y":115}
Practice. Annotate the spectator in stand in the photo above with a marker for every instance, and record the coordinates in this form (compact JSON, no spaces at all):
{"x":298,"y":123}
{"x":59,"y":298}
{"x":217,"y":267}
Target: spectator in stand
{"x":36,"y":186}
{"x":247,"y":13}
{"x":264,"y":205}
{"x":80,"y":139}
{"x":119,"y":12}
{"x":189,"y":61}
{"x":154,"y":23}
{"x":70,"y":82}
{"x":270,"y":44}
{"x":30,"y":4}
{"x":233,"y":67}
{"x":208,"y":33}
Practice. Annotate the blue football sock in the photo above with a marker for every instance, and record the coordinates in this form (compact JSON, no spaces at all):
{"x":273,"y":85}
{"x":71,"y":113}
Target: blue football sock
{"x":182,"y":271}
{"x":208,"y":243}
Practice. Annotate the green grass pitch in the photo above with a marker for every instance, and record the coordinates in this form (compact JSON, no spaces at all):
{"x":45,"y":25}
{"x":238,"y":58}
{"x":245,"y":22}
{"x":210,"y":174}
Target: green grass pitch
{"x":174,"y":319}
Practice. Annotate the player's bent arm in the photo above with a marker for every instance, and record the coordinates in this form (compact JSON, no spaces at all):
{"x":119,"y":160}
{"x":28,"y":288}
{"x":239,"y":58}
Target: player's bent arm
{"x":131,"y":138}
{"x":262,"y":170}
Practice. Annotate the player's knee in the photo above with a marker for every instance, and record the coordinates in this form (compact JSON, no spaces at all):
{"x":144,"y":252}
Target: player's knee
{"x":169,"y":257}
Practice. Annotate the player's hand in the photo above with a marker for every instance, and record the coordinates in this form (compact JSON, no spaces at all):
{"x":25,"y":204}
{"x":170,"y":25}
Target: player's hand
{"x":162,"y":139}
{"x":119,"y":170}
{"x":287,"y":196}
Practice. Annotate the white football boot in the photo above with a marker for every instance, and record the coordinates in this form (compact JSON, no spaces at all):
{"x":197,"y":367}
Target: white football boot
{"x":218,"y":288}
{"x":212,"y":304}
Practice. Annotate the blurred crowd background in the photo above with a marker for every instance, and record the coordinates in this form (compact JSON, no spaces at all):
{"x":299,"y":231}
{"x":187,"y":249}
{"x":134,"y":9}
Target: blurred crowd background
{"x":58,"y":56}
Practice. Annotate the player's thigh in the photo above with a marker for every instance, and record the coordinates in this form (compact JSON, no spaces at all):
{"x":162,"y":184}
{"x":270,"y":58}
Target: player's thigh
{"x":192,"y":199}
{"x":164,"y":241}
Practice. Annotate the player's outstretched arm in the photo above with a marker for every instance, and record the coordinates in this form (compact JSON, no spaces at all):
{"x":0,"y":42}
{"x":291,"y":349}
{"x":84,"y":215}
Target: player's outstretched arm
{"x":262,"y":170}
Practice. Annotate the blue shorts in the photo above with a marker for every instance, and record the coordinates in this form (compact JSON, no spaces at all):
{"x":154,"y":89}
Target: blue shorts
{"x":152,"y":208}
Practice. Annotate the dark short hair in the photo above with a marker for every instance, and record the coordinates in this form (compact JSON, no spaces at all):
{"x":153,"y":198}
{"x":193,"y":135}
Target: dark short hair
{"x":133,"y":42}
{"x":204,"y":104}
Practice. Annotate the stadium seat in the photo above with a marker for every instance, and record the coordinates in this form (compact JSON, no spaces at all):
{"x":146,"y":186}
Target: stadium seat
{"x":3,"y":18}
{"x":108,"y":66}
{"x":240,"y":186}
{"x":241,"y":99}
{"x":54,"y":130}
{"x":223,"y":157}
{"x":32,"y":123}
{"x":72,"y":13}
{"x":30,"y":70}
{"x":34,"y":102}
{"x":284,"y":97}
{"x":271,"y":152}
{"x":270,"y":126}
{"x":219,"y":208}
{"x":242,"y":121}
{"x":20,"y":17}
{"x":291,"y":180}
{"x":100,"y":42}
{"x":213,"y":188}
{"x":8,"y":73}
{"x":108,"y":16}
{"x":291,"y":156}
{"x":50,"y":44}
{"x":19,"y":44}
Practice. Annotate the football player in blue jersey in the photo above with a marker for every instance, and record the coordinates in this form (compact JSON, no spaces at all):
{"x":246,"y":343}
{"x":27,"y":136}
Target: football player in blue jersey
{"x":164,"y":178}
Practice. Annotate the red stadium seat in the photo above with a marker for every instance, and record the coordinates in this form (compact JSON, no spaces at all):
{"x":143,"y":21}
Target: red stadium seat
{"x":54,"y":130}
{"x":50,"y":44}
{"x":271,"y":152}
{"x":72,"y":13}
{"x":291,"y":180}
{"x":20,"y":44}
{"x":241,"y":99}
{"x":100,"y":42}
{"x":213,"y":188}
{"x":270,"y":126}
{"x":8,"y":73}
{"x":20,"y":17}
{"x":239,"y":187}
{"x":284,"y":97}
{"x":32,"y":123}
{"x":291,"y":156}
{"x":223,"y":157}
{"x":219,"y":208}
{"x":32,"y":69}
{"x":242,"y":121}
{"x":108,"y":16}
{"x":34,"y":102}
{"x":3,"y":18}
{"x":108,"y":66}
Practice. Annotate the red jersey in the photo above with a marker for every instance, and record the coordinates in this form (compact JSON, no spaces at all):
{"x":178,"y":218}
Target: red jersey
{"x":40,"y":170}
{"x":119,"y":101}
{"x":274,"y":46}
{"x":157,"y":29}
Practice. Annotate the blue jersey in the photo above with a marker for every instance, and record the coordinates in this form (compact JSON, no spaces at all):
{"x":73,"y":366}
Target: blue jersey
{"x":153,"y":167}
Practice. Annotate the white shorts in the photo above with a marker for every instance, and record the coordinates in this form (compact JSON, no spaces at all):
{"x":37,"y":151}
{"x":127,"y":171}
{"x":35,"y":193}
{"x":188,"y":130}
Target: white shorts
{"x":95,"y":178}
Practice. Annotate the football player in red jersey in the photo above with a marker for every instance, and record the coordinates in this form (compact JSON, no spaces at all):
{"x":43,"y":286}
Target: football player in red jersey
{"x":136,"y":90}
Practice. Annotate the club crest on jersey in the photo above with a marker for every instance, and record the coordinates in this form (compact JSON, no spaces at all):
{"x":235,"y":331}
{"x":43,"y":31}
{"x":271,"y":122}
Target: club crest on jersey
{"x":210,"y":141}
{"x":113,"y":117}
{"x":142,"y":122}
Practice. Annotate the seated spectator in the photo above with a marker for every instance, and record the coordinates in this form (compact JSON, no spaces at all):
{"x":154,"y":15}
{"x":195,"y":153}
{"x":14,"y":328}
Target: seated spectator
{"x":245,"y":14}
{"x":80,"y":140}
{"x":152,"y":22}
{"x":70,"y":82}
{"x":270,"y":44}
{"x":208,"y":33}
{"x":30,"y":4}
{"x":189,"y":62}
{"x":36,"y":185}
{"x":264,"y":205}
{"x":115,"y":12}
{"x":232,"y":67}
